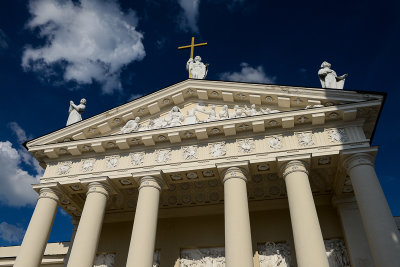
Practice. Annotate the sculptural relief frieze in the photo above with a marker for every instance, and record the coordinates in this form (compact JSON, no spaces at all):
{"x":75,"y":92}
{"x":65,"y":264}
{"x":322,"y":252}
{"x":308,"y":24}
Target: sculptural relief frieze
{"x":163,"y":155}
{"x":274,"y":254}
{"x":337,"y":253}
{"x":87,"y":165}
{"x":337,"y":135}
{"x":64,"y":167}
{"x":202,"y":257}
{"x":104,"y":260}
{"x":305,"y":139}
{"x":246,"y":145}
{"x":275,"y":142}
{"x":189,"y":152}
{"x":137,"y":158}
{"x":112,"y":162}
{"x":217,"y":149}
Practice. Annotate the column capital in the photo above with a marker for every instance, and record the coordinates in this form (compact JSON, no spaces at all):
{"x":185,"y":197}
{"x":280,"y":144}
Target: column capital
{"x":98,"y":187}
{"x":150,"y":181}
{"x":294,"y":166}
{"x":48,"y":192}
{"x":357,"y":160}
{"x":234,"y":172}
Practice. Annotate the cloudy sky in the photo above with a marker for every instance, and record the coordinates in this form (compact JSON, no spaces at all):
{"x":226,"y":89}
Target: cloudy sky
{"x":110,"y":52}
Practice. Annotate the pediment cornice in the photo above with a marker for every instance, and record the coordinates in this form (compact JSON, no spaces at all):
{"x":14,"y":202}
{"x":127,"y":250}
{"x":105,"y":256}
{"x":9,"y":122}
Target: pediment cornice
{"x":76,"y":138}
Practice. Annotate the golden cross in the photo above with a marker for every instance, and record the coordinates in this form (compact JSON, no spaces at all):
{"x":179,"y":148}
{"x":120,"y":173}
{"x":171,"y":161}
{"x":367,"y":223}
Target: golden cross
{"x":192,"y":45}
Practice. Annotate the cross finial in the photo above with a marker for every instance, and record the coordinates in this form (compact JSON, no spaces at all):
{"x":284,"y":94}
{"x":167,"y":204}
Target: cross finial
{"x":191,"y":46}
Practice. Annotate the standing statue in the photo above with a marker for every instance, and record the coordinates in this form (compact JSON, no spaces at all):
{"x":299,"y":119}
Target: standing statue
{"x":75,"y":111}
{"x":196,"y":68}
{"x":328,"y":77}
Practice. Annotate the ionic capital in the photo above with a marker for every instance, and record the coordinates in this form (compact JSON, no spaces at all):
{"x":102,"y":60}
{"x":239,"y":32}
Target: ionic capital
{"x":51,"y":193}
{"x":294,"y":166}
{"x":97,"y":187}
{"x":150,"y":181}
{"x":234,"y":172}
{"x":357,"y":160}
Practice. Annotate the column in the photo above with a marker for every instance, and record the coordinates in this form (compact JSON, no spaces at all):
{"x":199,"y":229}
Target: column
{"x":37,"y":234}
{"x":75,"y":224}
{"x":141,"y":248}
{"x":308,"y":240}
{"x":356,"y":239}
{"x":238,"y":246}
{"x":87,"y":236}
{"x":380,"y":227}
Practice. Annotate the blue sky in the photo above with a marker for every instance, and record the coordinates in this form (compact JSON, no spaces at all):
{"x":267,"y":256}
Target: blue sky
{"x":113,"y":51}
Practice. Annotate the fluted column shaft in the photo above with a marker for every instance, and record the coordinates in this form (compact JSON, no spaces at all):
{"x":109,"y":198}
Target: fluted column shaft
{"x":37,"y":234}
{"x":141,"y":248}
{"x":380,"y":227}
{"x":238,"y":246}
{"x":307,"y":235}
{"x":88,"y":234}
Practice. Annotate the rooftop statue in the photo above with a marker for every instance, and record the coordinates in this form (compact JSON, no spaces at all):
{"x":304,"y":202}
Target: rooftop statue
{"x":75,"y":111}
{"x":196,"y":68}
{"x":328,"y":77}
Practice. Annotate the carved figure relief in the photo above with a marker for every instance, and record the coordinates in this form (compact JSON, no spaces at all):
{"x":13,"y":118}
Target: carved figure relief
{"x":112,"y":162}
{"x":87,"y":165}
{"x":189,"y":152}
{"x":337,"y":253}
{"x":64,"y":167}
{"x":137,"y":158}
{"x":104,"y":260}
{"x":131,"y":126}
{"x":163,"y":155}
{"x":156,"y":258}
{"x":246,"y":145}
{"x":275,"y":142}
{"x":217,"y":149}
{"x":305,"y":139}
{"x":337,"y":135}
{"x":174,"y":117}
{"x":274,"y":254}
{"x":203,"y":257}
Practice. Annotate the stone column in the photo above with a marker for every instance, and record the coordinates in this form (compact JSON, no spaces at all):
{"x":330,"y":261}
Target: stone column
{"x":141,"y":248}
{"x":238,"y":246}
{"x":353,"y":229}
{"x":308,"y":240}
{"x":380,"y":227}
{"x":37,"y":234}
{"x":75,"y":224}
{"x":87,"y":236}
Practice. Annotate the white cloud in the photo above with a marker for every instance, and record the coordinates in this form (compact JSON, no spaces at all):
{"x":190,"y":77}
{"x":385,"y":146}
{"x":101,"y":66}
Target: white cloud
{"x":15,"y":183}
{"x":19,"y":132}
{"x":11,"y":233}
{"x":3,"y":40}
{"x":248,"y":74}
{"x":191,"y":13}
{"x":134,"y":96}
{"x":91,"y":41}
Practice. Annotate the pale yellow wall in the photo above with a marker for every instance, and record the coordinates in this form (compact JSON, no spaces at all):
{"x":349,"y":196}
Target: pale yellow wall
{"x":173,"y":234}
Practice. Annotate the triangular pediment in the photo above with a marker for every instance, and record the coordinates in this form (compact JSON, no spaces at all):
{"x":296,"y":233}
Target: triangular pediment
{"x":286,"y":105}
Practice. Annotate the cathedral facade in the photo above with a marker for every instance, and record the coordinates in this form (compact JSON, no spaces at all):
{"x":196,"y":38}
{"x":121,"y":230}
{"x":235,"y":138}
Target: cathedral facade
{"x":213,"y":173}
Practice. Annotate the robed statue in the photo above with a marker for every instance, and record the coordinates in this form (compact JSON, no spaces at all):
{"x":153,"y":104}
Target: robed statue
{"x":75,"y":111}
{"x":328,"y":77}
{"x":196,"y":68}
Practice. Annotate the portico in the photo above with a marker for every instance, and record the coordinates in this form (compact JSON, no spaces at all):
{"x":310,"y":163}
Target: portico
{"x":234,"y":190}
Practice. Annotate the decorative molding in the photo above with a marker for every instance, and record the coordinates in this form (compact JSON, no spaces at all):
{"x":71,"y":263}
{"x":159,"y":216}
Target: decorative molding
{"x":305,"y":139}
{"x":338,"y":135}
{"x":294,"y":166}
{"x":137,"y":158}
{"x":112,"y":161}
{"x":64,"y":167}
{"x":163,"y":155}
{"x":87,"y":165}
{"x":189,"y":152}
{"x":246,"y":145}
{"x":275,"y":142}
{"x":217,"y":149}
